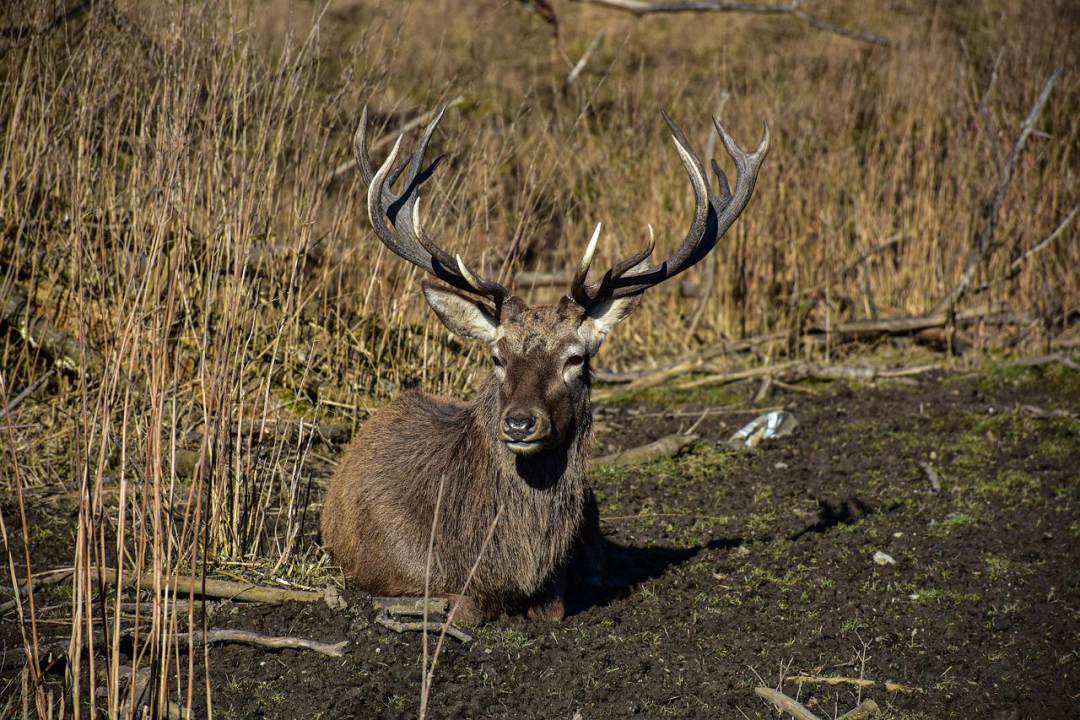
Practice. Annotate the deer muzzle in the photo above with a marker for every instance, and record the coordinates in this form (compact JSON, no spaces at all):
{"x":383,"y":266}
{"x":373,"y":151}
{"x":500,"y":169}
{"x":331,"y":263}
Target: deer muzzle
{"x":525,"y":431}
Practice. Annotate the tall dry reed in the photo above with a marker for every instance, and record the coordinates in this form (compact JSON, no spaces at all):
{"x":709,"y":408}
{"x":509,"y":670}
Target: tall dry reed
{"x":168,"y":203}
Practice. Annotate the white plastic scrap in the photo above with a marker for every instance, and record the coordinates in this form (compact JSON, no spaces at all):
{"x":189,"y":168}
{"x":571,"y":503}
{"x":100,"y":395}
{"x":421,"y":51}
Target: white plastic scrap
{"x":771,"y":425}
{"x":883,"y":558}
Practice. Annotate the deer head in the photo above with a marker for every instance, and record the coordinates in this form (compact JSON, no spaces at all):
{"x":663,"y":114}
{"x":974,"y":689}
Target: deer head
{"x":540,"y":355}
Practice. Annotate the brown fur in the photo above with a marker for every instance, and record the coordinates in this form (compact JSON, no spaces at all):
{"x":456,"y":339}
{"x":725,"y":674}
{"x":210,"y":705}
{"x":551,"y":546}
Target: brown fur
{"x":378,"y":513}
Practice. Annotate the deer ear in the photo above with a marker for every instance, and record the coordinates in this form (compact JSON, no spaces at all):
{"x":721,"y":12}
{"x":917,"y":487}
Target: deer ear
{"x":602,"y":316}
{"x":462,"y":315}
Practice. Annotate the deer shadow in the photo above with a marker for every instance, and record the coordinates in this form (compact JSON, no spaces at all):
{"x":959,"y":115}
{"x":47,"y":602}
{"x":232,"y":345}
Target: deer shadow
{"x":627,"y":567}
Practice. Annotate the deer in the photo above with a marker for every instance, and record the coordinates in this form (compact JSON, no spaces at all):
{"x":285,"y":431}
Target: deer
{"x":485,"y":502}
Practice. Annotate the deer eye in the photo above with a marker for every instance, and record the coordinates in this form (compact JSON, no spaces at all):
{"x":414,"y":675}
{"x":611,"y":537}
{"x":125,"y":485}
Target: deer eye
{"x":496,"y":361}
{"x":574,"y":361}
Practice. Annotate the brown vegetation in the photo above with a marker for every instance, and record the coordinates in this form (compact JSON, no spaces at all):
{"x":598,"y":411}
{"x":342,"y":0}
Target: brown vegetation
{"x":171,"y":224}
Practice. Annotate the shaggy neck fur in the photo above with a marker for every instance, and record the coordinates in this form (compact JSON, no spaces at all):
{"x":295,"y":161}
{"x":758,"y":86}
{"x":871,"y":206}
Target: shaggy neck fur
{"x":542,"y":497}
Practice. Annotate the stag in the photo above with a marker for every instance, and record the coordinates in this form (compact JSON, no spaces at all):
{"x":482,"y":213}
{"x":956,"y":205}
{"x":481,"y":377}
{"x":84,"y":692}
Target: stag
{"x":497,"y":485}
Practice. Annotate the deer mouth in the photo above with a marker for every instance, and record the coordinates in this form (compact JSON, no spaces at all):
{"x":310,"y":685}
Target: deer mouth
{"x":525,"y":447}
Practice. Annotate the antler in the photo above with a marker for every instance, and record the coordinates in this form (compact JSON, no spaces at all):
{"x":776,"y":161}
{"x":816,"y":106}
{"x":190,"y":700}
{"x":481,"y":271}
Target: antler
{"x":396,"y":218}
{"x":712,"y":217}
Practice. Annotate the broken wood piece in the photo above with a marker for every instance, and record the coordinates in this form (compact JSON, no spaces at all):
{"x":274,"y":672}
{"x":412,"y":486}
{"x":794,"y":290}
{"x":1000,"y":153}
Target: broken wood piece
{"x":1037,"y":412}
{"x":247,"y":637}
{"x":410,"y":606}
{"x":666,"y":447}
{"x":579,"y":66}
{"x":65,"y":351}
{"x":865,"y":709}
{"x":16,"y":657}
{"x":786,"y":704}
{"x":857,"y":682}
{"x":642,"y":7}
{"x":225,"y":589}
{"x":932,"y":476}
{"x":419,"y":626}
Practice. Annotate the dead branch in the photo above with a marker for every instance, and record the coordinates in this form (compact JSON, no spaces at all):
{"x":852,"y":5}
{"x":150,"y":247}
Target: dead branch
{"x":932,"y":476}
{"x":65,"y":351}
{"x":866,"y":709}
{"x":419,"y":626}
{"x":642,"y":378}
{"x":984,"y":244}
{"x":666,"y":447}
{"x":786,"y":704}
{"x":409,"y":605}
{"x":792,"y":9}
{"x":1018,"y":263}
{"x":579,"y":66}
{"x":795,"y":372}
{"x":48,"y":577}
{"x":734,"y":376}
{"x":17,"y":657}
{"x":247,"y":637}
{"x":857,"y":682}
{"x":225,"y":589}
{"x":1042,"y":413}
{"x":18,"y":32}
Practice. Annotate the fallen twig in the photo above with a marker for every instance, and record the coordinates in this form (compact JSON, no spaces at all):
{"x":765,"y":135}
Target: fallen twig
{"x":794,"y":372}
{"x":226,"y":589}
{"x":857,"y":682}
{"x":409,"y":605}
{"x":247,"y":637}
{"x":49,"y":577}
{"x":932,"y":476}
{"x":665,"y":447}
{"x":786,"y":704}
{"x":640,"y":7}
{"x":579,"y":66}
{"x":17,"y":657}
{"x":865,"y":709}
{"x":211,"y":587}
{"x":65,"y":350}
{"x":419,"y":626}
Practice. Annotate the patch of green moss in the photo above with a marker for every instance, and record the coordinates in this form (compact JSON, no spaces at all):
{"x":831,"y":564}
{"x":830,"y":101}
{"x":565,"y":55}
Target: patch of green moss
{"x":952,"y":521}
{"x":998,"y":567}
{"x":502,"y":636}
{"x":935,"y":596}
{"x":1015,"y":484}
{"x":1062,"y":379}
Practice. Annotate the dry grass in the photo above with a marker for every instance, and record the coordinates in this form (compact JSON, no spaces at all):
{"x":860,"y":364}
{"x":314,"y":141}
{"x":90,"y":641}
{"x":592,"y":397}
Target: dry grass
{"x":164,"y":200}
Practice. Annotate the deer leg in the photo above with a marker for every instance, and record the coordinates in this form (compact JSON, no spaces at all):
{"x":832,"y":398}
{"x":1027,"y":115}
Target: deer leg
{"x":466,"y":610}
{"x":549,"y":605}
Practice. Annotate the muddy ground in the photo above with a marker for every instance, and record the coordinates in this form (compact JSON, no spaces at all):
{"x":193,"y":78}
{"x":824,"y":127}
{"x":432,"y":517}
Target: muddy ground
{"x":730,"y":570}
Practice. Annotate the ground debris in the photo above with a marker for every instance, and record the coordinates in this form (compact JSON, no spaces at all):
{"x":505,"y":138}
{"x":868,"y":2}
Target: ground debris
{"x":666,"y":447}
{"x":883,"y":558}
{"x":770,"y":426}
{"x":887,"y":685}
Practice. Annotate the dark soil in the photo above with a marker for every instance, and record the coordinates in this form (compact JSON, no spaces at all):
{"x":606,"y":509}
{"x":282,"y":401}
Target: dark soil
{"x":729,"y":570}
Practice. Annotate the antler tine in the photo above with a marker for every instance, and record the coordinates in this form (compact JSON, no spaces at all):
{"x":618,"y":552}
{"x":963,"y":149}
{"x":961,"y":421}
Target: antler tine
{"x":577,"y":285}
{"x":713,"y":216}
{"x":396,"y":218}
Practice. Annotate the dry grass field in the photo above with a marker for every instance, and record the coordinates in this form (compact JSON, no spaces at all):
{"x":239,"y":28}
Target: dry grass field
{"x":195,"y":314}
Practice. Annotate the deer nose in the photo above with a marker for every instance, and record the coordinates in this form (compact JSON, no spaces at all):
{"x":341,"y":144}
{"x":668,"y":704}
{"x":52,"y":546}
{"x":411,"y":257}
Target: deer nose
{"x":519,"y":428}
